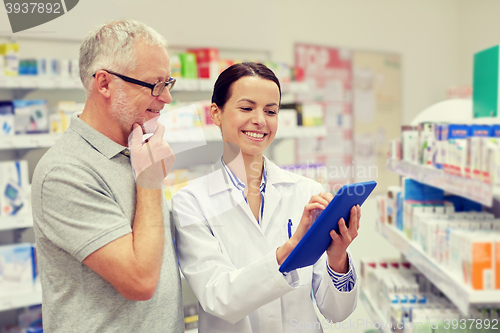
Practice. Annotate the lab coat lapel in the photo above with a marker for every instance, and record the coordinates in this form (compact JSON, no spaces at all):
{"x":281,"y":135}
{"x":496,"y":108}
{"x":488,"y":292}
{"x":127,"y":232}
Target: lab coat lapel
{"x":272,"y":199}
{"x":219,"y":181}
{"x":275,"y":176}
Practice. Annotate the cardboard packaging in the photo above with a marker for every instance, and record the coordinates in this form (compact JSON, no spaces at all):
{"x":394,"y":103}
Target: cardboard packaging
{"x":473,"y":164}
{"x":14,"y":188}
{"x":457,"y":149}
{"x":16,"y":269}
{"x":10,"y":52}
{"x":486,"y":85}
{"x":189,"y":68}
{"x":31,"y":116}
{"x":6,"y":118}
{"x":207,"y":61}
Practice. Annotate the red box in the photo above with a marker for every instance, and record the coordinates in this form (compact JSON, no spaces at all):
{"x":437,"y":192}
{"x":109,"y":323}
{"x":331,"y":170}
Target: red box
{"x":208,"y":62}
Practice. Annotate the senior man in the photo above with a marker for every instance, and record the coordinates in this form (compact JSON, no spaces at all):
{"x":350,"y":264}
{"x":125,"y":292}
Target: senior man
{"x":104,"y":238}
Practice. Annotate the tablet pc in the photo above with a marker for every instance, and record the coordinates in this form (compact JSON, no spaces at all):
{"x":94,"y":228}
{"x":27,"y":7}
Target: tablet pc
{"x":317,"y":239}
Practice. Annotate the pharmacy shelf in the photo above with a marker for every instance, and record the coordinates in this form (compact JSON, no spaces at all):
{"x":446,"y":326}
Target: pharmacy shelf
{"x":39,"y":82}
{"x":212,"y":133}
{"x":31,"y":141}
{"x":472,"y":189}
{"x":16,"y":222}
{"x":20,"y":301}
{"x":452,"y":286}
{"x":46,"y":82}
{"x":373,"y":310}
{"x":182,"y":84}
{"x":28,"y":141}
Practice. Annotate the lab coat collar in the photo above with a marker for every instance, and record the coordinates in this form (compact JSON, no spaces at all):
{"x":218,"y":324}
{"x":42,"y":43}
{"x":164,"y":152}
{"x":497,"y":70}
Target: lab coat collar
{"x":276,"y":175}
{"x":219,"y":181}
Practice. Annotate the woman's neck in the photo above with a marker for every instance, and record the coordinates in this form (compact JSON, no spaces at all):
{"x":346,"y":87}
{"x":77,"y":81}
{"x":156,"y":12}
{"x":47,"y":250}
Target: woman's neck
{"x":248,"y":168}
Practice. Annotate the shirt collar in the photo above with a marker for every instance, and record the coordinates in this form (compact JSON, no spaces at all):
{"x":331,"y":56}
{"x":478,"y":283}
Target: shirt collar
{"x":96,"y":139}
{"x":218,"y":179}
{"x":236,"y":182}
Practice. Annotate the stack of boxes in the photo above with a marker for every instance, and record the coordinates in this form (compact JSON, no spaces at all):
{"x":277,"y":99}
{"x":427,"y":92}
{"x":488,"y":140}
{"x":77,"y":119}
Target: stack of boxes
{"x":409,"y":302}
{"x":12,"y":65}
{"x":471,"y":151}
{"x":451,"y":230}
{"x":18,"y":273}
{"x":14,"y":188}
{"x":23,"y":117}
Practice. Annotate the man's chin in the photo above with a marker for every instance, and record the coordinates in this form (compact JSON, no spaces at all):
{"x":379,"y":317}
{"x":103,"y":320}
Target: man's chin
{"x":148,"y":126}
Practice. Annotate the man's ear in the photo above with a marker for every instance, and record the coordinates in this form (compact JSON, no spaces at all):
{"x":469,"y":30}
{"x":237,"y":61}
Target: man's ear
{"x":102,"y":83}
{"x":215,"y":114}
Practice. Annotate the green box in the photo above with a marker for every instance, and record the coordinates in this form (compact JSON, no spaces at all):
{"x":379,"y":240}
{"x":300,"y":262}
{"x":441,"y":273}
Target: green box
{"x":485,"y":90}
{"x":189,"y":69}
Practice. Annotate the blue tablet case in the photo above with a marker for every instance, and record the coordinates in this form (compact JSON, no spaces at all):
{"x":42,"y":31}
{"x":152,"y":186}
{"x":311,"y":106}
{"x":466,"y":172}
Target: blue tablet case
{"x":317,"y":239}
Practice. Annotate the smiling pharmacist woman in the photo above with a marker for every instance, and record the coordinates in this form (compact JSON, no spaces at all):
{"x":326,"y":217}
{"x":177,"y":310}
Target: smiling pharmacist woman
{"x":236,"y":225}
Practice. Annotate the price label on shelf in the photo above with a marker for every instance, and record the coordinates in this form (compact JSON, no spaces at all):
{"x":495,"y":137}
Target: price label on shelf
{"x":4,"y":82}
{"x":6,"y":304}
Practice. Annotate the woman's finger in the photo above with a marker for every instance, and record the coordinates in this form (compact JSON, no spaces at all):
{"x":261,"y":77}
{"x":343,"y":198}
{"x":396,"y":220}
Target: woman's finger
{"x":343,"y":228}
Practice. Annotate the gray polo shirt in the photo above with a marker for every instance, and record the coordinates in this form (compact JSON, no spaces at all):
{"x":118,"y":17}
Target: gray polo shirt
{"x":84,"y":197}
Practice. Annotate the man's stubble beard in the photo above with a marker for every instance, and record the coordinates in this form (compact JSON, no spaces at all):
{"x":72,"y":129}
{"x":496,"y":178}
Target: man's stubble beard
{"x":124,"y":111}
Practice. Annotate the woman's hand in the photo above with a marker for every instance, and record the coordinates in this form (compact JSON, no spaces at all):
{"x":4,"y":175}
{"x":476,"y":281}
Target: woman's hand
{"x":336,"y":252}
{"x":311,"y":211}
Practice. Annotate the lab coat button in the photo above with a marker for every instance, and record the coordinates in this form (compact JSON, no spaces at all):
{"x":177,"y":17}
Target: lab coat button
{"x":272,"y":322}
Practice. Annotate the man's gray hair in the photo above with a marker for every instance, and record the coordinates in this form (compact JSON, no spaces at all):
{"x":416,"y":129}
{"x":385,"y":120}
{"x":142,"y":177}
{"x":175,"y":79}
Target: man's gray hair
{"x":112,"y":46}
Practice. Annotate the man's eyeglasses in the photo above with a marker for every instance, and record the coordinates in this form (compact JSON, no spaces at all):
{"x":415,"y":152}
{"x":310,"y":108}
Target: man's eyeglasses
{"x":156,"y":88}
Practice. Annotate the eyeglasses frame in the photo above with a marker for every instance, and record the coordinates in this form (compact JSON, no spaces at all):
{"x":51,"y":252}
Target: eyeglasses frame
{"x":168,"y":84}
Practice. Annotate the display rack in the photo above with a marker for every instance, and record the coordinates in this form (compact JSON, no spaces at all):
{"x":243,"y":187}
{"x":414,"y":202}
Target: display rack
{"x":472,"y":189}
{"x":20,"y":301}
{"x":56,"y":82}
{"x":16,"y":222}
{"x":453,"y":287}
{"x":373,"y":311}
{"x":39,"y":82}
{"x":32,"y":141}
{"x":28,"y":141}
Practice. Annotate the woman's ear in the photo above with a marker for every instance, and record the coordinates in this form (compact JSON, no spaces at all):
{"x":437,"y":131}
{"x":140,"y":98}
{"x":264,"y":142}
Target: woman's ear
{"x":215,"y":114}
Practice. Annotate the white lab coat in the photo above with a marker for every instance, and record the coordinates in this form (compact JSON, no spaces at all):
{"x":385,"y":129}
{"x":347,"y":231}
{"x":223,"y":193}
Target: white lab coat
{"x":230,"y":262}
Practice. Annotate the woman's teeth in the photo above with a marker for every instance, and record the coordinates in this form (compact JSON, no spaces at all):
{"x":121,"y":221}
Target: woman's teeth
{"x":255,"y":135}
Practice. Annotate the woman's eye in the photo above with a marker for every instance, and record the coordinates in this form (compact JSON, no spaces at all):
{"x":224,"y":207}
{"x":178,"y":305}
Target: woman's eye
{"x":272,"y":112}
{"x":246,"y":109}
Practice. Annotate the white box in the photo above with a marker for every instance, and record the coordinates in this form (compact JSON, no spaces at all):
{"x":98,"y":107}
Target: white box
{"x":287,"y":118}
{"x":14,"y":188}
{"x":16,"y":269}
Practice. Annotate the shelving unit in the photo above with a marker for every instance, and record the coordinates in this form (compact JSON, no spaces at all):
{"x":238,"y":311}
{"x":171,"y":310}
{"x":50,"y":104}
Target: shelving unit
{"x":39,"y":82}
{"x":19,"y":301}
{"x":373,"y":311}
{"x":468,"y":188}
{"x":28,"y":141}
{"x":33,"y":141}
{"x":454,"y":288}
{"x":47,"y":82}
{"x":16,"y":222}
